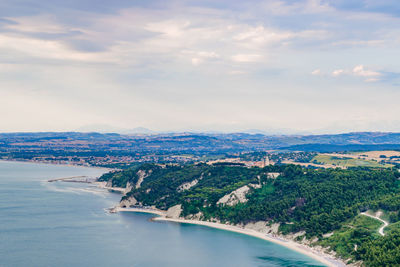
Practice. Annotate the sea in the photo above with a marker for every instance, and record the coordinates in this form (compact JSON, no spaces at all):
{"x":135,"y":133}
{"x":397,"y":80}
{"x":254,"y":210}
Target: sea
{"x":68,"y":224}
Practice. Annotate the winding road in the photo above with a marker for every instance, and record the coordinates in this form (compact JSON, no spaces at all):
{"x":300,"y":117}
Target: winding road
{"x":385,"y":223}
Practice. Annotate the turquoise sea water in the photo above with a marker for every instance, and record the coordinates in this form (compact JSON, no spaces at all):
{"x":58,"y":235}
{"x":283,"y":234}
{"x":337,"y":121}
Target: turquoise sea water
{"x":66,"y":224}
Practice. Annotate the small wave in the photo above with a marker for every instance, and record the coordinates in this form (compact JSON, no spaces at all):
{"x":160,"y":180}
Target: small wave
{"x":74,"y":190}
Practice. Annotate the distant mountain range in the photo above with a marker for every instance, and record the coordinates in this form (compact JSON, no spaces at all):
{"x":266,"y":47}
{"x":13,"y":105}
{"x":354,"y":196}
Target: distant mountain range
{"x":104,"y":128}
{"x":197,"y":142}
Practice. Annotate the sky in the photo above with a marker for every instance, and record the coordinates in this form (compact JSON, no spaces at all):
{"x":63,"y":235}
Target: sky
{"x":306,"y":66}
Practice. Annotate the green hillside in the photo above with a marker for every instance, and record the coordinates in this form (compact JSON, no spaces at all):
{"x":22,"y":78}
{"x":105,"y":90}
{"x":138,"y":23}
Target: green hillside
{"x":315,"y":201}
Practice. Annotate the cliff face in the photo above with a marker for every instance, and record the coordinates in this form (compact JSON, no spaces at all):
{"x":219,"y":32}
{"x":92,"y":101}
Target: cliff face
{"x":187,"y":186}
{"x":201,"y":185}
{"x":129,"y":187}
{"x":142,"y":174}
{"x":237,"y":196}
{"x":128,"y":202}
{"x":263,"y":227}
{"x":174,"y":212}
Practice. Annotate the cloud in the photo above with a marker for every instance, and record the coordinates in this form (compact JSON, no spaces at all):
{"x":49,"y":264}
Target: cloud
{"x":359,"y":71}
{"x":247,"y":58}
{"x":199,"y":57}
{"x":169,"y":28}
{"x":26,"y":47}
{"x":370,"y":75}
{"x":281,"y":7}
{"x":316,"y":72}
{"x":237,"y":72}
{"x":196,"y":61}
{"x":37,"y":24}
{"x":318,"y":6}
{"x":131,"y":62}
{"x":337,"y":73}
{"x":260,"y":36}
{"x":359,"y":43}
{"x":142,"y":36}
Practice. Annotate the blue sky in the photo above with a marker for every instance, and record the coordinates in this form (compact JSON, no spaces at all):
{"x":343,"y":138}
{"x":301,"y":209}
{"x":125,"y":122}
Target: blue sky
{"x":281,"y":66}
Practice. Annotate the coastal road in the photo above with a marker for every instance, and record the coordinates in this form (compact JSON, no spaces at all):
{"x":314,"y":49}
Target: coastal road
{"x":385,"y":223}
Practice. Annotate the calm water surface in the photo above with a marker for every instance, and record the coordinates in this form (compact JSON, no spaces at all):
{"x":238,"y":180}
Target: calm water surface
{"x":65,"y":224}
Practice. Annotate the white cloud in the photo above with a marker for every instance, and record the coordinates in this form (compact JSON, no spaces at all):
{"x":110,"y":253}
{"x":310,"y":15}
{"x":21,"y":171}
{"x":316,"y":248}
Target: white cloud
{"x":370,"y":75}
{"x":47,"y":49}
{"x":247,"y":58}
{"x":279,"y":7}
{"x":337,"y":73}
{"x":316,"y":72}
{"x":205,"y":54}
{"x":199,"y":57}
{"x":372,"y":80}
{"x":138,"y":36}
{"x":359,"y":71}
{"x":37,"y":24}
{"x":317,"y":6}
{"x":313,"y":34}
{"x":260,"y":36}
{"x":237,"y":72}
{"x":359,"y":43}
{"x":196,"y":61}
{"x":140,"y":68}
{"x":169,"y":28}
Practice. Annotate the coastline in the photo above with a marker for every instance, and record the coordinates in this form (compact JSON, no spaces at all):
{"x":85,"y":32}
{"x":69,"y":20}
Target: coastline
{"x":75,"y":179}
{"x":320,"y":256}
{"x":140,"y":210}
{"x":59,"y":164}
{"x":324,"y":258}
{"x":103,"y":185}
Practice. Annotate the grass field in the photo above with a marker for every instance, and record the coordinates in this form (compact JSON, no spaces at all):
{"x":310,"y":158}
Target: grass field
{"x":377,"y":155}
{"x":347,"y":161}
{"x":353,"y":233}
{"x":392,"y":226}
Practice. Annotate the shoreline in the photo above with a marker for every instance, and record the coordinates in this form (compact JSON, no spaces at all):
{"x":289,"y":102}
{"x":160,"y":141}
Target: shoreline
{"x":308,"y":251}
{"x":140,"y":210}
{"x":103,"y":185}
{"x":75,"y":179}
{"x":58,"y":164}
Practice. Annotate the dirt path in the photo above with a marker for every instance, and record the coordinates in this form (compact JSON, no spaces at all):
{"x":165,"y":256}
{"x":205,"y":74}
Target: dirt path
{"x":385,"y":223}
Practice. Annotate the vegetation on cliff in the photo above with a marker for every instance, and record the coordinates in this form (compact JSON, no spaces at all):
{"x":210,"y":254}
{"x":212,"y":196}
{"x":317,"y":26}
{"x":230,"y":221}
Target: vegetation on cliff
{"x":317,"y":201}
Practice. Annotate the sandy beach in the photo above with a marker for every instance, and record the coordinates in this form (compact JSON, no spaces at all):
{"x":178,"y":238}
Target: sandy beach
{"x":151,"y":211}
{"x":103,"y":185}
{"x":326,"y":259}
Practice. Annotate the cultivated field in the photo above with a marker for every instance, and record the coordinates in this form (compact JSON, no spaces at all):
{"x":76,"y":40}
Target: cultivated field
{"x":346,"y":160}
